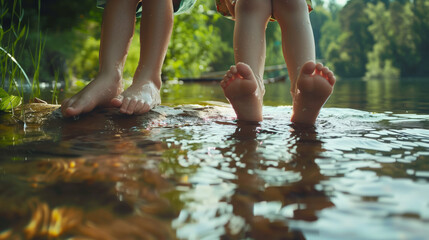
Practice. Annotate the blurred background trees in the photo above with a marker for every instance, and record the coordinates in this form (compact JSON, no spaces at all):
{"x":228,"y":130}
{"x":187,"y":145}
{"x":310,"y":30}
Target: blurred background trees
{"x":377,"y":39}
{"x":364,"y":38}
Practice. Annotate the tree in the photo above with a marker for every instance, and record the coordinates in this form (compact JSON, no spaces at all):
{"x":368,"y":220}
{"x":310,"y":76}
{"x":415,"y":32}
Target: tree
{"x":381,"y":58}
{"x":420,"y":9}
{"x":348,"y":53}
{"x":319,"y":16}
{"x":330,"y":33}
{"x":195,"y":42}
{"x":404,"y":40}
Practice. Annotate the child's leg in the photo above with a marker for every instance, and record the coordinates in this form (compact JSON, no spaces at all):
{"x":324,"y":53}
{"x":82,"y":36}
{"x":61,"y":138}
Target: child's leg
{"x":116,"y":34}
{"x":311,"y":84}
{"x":156,"y":27}
{"x":243,"y":84}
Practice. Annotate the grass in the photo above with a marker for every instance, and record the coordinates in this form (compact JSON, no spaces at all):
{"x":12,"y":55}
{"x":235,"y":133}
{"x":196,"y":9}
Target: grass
{"x":55,"y":91}
{"x":15,"y":82}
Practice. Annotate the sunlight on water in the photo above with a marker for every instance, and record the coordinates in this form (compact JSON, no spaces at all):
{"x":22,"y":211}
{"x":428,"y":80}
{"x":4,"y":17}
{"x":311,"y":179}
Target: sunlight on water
{"x":192,"y":172}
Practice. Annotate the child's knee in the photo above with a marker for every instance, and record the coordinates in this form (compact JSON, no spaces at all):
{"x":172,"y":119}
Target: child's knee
{"x":253,"y":6}
{"x":280,"y":7}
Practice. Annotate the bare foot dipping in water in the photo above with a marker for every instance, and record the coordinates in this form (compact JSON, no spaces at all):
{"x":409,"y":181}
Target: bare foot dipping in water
{"x":311,"y":84}
{"x":138,"y":98}
{"x":99,"y":92}
{"x":314,"y":85}
{"x":244,"y":91}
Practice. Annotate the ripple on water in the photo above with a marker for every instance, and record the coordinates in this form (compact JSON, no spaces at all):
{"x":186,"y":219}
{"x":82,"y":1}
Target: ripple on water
{"x":348,"y":146}
{"x":357,"y":175}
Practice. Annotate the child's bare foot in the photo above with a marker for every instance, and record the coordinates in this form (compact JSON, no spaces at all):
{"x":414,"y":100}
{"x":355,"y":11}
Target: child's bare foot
{"x":244,"y":91}
{"x":313,"y":88}
{"x":138,"y":98}
{"x":99,"y":92}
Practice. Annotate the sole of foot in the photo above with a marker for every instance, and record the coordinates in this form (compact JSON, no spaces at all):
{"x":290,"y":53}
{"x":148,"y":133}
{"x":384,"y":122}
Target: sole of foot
{"x":314,"y":86}
{"x":244,"y":91}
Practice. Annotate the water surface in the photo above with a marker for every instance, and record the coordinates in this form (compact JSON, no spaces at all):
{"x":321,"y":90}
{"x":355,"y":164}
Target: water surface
{"x":193,"y":172}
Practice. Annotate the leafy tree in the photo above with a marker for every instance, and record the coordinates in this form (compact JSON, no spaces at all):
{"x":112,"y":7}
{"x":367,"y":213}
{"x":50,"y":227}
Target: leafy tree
{"x":318,"y":3}
{"x":348,"y":53}
{"x":319,"y":16}
{"x":330,"y":32}
{"x":194,"y":45}
{"x":403,"y":38}
{"x":333,"y":8}
{"x":381,"y":58}
{"x":396,"y":46}
{"x":195,"y":42}
{"x":274,"y":45}
{"x":274,"y":53}
{"x":420,"y":9}
{"x":226,"y":53}
{"x":56,"y":22}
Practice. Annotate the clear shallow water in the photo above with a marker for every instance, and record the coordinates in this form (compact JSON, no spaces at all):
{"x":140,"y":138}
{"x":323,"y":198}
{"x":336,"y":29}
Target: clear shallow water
{"x":377,"y":95}
{"x":192,"y":172}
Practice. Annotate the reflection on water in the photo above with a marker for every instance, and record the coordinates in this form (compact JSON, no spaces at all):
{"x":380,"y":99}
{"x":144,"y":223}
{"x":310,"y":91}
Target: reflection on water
{"x":378,"y":95}
{"x":192,"y":172}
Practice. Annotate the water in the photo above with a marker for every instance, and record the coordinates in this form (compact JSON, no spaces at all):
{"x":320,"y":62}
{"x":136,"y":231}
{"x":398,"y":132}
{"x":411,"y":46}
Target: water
{"x":192,"y":172}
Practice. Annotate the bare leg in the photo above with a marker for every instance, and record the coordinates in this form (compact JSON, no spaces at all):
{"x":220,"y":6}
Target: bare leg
{"x":156,"y":28}
{"x":243,"y":84}
{"x":311,"y":84}
{"x":116,"y":34}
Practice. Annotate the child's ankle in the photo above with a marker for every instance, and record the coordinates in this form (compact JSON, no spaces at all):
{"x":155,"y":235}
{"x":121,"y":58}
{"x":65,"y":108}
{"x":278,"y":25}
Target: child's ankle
{"x":155,"y":80}
{"x":114,"y":76}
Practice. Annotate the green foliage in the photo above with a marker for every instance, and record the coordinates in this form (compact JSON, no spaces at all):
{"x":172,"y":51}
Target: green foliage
{"x":55,"y":91}
{"x":330,"y":32}
{"x":37,"y":57}
{"x":8,"y":102}
{"x":364,"y":38}
{"x":380,"y":59}
{"x":396,"y":46}
{"x":191,"y":50}
{"x":274,"y":45}
{"x":319,"y":17}
{"x":378,"y":39}
{"x":404,"y":39}
{"x":85,"y":63}
{"x":16,"y":64}
{"x":355,"y":40}
{"x":195,"y":42}
{"x":13,"y":35}
{"x":13,"y":40}
{"x":420,"y":9}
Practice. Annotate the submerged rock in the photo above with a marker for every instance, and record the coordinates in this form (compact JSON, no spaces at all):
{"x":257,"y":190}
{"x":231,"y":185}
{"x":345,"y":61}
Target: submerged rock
{"x":35,"y":113}
{"x":49,"y":117}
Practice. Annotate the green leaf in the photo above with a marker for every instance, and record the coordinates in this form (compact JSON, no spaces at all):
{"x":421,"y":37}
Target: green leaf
{"x":5,"y":10}
{"x":7,"y":101}
{"x":1,"y":32}
{"x":21,"y":34}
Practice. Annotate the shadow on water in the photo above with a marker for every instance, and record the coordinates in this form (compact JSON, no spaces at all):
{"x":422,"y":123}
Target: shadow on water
{"x":193,"y":172}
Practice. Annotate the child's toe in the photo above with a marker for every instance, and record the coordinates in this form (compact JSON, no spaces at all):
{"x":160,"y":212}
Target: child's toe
{"x":233,"y":69}
{"x":319,"y":66}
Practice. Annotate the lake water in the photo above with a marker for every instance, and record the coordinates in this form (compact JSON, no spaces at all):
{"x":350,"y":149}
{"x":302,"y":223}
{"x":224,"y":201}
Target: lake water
{"x":188,"y":170}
